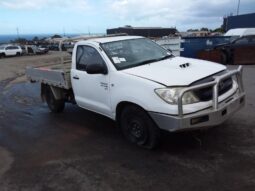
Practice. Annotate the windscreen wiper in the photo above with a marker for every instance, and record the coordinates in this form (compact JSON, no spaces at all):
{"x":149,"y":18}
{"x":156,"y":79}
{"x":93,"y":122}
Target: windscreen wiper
{"x":153,"y":60}
{"x":165,"y":57}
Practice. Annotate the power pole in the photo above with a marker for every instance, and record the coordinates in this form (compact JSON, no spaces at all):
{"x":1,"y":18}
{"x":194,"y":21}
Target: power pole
{"x":64,"y":31}
{"x":17,"y":32}
{"x":238,"y":6}
{"x":89,"y":30}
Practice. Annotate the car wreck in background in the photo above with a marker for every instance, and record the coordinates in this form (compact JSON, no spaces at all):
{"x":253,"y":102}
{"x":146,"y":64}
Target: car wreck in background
{"x":34,"y":50}
{"x":239,"y":51}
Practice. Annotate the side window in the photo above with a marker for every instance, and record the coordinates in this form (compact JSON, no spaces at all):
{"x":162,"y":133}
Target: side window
{"x":242,"y":41}
{"x":86,"y":55}
{"x":8,"y":48}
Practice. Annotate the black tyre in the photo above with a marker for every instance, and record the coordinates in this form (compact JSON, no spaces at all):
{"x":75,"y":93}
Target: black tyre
{"x":18,"y":54}
{"x":56,"y":106}
{"x":138,"y":128}
{"x":2,"y":55}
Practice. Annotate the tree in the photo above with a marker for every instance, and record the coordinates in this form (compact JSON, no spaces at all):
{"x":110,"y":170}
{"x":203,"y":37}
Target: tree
{"x":192,"y":30}
{"x":35,"y":38}
{"x":43,"y":39}
{"x":56,"y":36}
{"x":220,"y":29}
{"x":204,"y":29}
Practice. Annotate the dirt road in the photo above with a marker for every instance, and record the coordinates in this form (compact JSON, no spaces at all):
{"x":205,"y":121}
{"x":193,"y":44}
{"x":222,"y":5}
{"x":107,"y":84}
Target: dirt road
{"x":80,"y":150}
{"x":12,"y":67}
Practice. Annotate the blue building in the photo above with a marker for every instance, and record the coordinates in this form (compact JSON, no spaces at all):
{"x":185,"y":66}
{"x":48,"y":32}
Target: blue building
{"x":239,"y":21}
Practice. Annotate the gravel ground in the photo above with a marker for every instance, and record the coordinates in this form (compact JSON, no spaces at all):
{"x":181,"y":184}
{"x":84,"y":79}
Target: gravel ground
{"x":81,"y":150}
{"x":12,"y":67}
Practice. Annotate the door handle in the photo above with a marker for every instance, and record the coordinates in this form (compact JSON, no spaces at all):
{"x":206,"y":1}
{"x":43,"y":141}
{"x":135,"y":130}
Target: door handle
{"x":76,"y":77}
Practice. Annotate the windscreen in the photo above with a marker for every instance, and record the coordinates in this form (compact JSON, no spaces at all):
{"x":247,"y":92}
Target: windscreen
{"x":135,"y":52}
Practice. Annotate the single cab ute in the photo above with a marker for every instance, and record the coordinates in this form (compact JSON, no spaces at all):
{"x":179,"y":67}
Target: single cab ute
{"x":142,"y":86}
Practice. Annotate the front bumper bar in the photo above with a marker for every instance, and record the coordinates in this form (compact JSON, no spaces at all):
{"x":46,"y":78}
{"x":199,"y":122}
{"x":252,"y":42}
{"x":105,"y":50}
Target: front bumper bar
{"x":215,"y":115}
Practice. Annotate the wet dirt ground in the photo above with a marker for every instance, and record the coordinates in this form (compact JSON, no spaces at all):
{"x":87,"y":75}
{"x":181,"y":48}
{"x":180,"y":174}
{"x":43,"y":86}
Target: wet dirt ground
{"x":81,"y":150}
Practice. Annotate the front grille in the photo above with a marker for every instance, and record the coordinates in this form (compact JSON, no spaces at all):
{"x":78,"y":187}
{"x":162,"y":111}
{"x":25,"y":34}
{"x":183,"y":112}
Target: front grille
{"x":206,"y":94}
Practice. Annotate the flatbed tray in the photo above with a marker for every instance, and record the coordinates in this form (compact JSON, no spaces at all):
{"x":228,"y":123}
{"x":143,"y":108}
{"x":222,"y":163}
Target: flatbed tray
{"x":56,"y":75}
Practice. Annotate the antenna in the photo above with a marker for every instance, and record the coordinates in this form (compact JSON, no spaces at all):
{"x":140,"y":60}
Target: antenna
{"x":238,"y":6}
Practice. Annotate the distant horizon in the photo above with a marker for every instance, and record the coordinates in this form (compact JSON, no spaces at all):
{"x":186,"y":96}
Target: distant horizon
{"x":66,"y":34}
{"x":6,"y":38}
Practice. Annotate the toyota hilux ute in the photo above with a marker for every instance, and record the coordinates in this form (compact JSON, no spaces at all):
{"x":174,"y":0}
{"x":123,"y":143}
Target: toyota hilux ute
{"x":142,"y":86}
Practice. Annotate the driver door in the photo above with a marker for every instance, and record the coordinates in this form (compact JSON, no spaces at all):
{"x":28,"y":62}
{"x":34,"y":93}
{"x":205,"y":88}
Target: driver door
{"x":91,"y":90}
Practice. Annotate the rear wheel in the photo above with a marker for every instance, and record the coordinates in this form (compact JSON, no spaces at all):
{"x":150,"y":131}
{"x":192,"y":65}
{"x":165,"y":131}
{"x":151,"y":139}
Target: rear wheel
{"x":138,"y":128}
{"x":56,"y":106}
{"x":18,"y":54}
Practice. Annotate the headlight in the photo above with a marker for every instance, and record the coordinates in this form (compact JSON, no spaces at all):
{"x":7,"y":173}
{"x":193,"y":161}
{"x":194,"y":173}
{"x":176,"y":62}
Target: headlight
{"x":170,"y":95}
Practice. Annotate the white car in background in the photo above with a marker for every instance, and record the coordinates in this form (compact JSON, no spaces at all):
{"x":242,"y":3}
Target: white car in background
{"x":10,"y":50}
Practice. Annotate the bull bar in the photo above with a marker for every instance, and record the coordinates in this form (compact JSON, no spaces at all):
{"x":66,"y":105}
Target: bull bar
{"x":215,"y":86}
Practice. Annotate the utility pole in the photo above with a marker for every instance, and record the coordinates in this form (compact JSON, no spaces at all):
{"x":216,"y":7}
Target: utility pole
{"x":89,"y":30}
{"x":238,"y":6}
{"x":17,"y":32}
{"x":64,"y":31}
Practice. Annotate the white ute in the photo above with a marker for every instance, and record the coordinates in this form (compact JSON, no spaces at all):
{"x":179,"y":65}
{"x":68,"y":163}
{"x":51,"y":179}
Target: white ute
{"x":141,"y":86}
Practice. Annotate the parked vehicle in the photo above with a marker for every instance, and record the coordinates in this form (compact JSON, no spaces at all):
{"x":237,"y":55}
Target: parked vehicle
{"x":24,"y":51}
{"x":238,"y":52}
{"x":33,"y":50}
{"x":42,"y":49}
{"x":54,"y":47}
{"x":10,"y":50}
{"x":141,"y":86}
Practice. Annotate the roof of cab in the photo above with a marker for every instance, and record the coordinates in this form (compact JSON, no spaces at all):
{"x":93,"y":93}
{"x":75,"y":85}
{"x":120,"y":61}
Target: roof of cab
{"x":111,"y":39}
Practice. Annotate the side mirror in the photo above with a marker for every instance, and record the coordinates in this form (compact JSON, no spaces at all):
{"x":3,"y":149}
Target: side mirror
{"x":96,"y":68}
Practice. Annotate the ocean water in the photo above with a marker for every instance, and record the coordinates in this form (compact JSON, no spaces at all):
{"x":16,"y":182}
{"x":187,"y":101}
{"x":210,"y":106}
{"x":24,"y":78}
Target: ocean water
{"x":8,"y":38}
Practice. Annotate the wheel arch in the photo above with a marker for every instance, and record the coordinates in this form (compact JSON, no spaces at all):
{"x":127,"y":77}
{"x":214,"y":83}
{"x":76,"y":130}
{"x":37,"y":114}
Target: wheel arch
{"x":121,"y":105}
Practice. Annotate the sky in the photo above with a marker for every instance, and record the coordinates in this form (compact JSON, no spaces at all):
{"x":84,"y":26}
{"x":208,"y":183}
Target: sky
{"x":95,"y":16}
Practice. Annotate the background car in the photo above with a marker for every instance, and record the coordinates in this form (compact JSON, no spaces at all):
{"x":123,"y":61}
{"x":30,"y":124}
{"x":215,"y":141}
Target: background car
{"x":54,"y":47}
{"x":10,"y":50}
{"x":238,"y":52}
{"x":43,"y":49}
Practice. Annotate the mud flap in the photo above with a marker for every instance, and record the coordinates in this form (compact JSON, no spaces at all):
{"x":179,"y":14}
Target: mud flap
{"x":57,"y":92}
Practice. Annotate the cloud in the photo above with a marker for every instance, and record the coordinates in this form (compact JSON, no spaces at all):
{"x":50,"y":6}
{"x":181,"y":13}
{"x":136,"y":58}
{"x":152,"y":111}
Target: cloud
{"x":180,"y":13}
{"x":101,"y":14}
{"x":44,"y":4}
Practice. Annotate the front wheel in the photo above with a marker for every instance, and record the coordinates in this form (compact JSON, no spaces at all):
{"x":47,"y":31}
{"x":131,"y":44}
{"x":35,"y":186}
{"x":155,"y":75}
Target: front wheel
{"x":56,"y":106}
{"x":2,"y":55}
{"x":138,"y":128}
